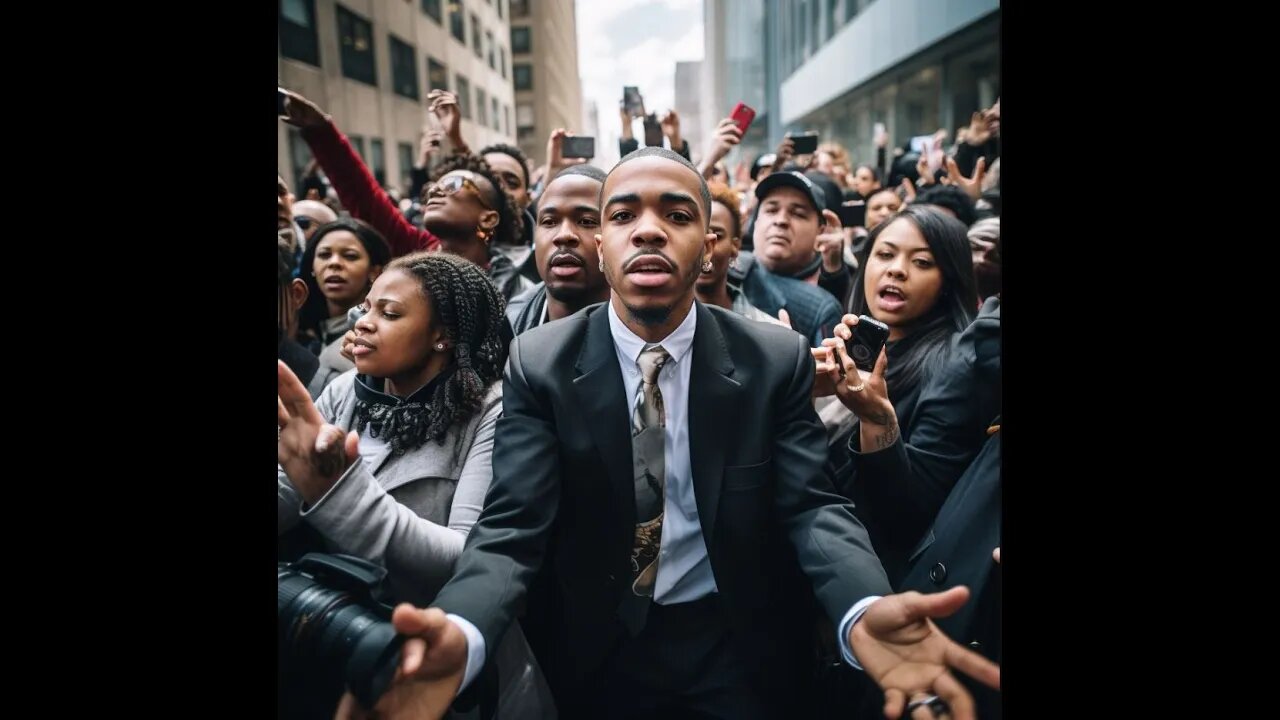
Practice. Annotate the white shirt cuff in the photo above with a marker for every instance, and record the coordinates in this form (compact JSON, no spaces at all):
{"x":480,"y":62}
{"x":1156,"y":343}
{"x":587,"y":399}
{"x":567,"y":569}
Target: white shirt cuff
{"x":842,"y":632}
{"x":475,"y":649}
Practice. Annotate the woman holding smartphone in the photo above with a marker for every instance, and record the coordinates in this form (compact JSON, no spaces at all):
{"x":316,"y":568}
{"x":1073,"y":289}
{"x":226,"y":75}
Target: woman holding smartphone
{"x":918,"y":280}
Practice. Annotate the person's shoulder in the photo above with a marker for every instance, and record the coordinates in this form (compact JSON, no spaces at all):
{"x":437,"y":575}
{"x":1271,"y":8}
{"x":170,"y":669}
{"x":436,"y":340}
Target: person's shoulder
{"x":338,"y":392}
{"x":524,"y":296}
{"x":820,"y":300}
{"x":768,"y":337}
{"x":550,"y":341}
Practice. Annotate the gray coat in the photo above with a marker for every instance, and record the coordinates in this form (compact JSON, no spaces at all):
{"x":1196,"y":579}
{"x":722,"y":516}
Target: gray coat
{"x":410,"y":514}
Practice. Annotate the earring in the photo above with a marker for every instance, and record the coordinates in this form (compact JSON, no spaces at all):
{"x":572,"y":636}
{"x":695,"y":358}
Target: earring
{"x":483,"y":236}
{"x":601,"y":263}
{"x":733,"y":264}
{"x":706,"y":265}
{"x":440,"y":347}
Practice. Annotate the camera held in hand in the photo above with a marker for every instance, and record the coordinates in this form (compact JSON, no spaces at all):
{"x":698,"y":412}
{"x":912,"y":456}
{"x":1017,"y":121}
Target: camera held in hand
{"x":334,"y":634}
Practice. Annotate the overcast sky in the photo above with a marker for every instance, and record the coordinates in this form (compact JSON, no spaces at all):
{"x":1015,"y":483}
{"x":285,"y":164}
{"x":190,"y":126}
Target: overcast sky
{"x":633,"y":42}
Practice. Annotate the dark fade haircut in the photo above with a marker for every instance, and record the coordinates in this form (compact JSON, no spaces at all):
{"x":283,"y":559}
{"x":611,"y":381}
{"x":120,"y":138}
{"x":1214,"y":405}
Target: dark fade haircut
{"x":664,"y":153}
{"x":510,"y":219}
{"x":587,"y":171}
{"x":951,"y":198}
{"x":510,"y":151}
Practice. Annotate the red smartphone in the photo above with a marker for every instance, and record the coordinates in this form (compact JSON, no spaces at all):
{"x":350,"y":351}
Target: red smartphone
{"x":743,"y":115}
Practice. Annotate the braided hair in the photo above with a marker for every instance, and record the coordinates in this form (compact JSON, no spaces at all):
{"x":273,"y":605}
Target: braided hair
{"x":473,"y":314}
{"x":510,"y":226}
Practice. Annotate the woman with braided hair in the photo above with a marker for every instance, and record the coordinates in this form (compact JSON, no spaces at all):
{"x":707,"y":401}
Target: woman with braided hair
{"x":420,"y":407}
{"x":409,"y":431}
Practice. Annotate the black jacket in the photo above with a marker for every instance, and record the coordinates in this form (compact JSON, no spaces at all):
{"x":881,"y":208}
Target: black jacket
{"x":562,"y":501}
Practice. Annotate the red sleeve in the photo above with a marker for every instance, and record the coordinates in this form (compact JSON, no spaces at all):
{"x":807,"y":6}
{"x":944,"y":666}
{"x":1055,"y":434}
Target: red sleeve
{"x":360,"y":193}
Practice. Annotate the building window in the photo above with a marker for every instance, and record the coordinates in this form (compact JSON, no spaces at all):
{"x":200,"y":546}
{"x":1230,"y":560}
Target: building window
{"x":519,"y":8}
{"x":356,"y":37}
{"x":464,"y":97}
{"x":506,"y":119}
{"x":524,"y":116}
{"x":455,"y":22}
{"x":475,"y":37}
{"x":488,"y":43}
{"x":404,"y":70}
{"x":521,"y":40}
{"x":432,"y":9}
{"x":405,"y":153}
{"x":437,"y":75}
{"x":523,"y":73}
{"x":500,"y":4}
{"x":298,"y":38}
{"x":357,"y":142}
{"x":502,"y":61}
{"x":496,"y":125}
{"x":378,"y":162}
{"x":482,"y":108}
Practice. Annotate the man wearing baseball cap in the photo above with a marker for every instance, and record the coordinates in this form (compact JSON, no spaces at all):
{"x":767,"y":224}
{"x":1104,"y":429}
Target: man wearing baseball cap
{"x":790,"y":216}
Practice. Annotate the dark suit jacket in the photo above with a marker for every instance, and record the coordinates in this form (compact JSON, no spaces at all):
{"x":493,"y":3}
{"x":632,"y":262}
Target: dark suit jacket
{"x":902,"y":487}
{"x":562,"y":498}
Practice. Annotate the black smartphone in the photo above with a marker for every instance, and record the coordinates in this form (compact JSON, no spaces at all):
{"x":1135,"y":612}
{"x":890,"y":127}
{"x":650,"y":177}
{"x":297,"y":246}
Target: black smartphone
{"x":869,"y":337}
{"x":652,"y":131}
{"x":578,"y":146}
{"x":281,"y":97}
{"x":853,"y":213}
{"x":632,"y":101}
{"x":806,"y":144}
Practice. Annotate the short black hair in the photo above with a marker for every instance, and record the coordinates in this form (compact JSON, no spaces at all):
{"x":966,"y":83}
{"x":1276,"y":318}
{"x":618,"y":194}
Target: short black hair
{"x":584,"y":170}
{"x":512,"y":152}
{"x":951,"y":198}
{"x":652,"y":151}
{"x":875,"y":171}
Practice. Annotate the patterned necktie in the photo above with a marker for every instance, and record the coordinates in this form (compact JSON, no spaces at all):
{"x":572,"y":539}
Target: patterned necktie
{"x":648,"y":434}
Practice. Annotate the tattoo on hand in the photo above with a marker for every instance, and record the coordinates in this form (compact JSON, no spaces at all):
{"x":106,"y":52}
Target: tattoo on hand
{"x":884,"y":417}
{"x":888,"y":438}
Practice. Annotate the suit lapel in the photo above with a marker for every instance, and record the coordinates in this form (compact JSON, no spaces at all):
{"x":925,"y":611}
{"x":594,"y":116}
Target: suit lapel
{"x":713,"y":401}
{"x":602,"y":397}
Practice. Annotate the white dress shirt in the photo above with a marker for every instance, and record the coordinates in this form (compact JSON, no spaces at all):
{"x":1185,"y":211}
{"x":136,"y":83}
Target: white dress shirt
{"x":684,"y":568}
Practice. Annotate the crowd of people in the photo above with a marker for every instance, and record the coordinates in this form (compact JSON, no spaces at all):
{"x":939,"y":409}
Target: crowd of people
{"x":662,"y":438}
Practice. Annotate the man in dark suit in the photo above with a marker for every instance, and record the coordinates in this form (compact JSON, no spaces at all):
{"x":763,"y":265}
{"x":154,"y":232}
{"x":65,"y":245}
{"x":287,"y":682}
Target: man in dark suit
{"x":659,"y":463}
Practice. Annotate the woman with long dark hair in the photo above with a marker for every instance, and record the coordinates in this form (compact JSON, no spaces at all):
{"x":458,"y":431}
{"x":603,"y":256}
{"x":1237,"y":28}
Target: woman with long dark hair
{"x":918,"y":280}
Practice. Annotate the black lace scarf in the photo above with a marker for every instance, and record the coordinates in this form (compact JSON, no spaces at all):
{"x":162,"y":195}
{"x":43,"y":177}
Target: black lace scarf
{"x":401,"y":424}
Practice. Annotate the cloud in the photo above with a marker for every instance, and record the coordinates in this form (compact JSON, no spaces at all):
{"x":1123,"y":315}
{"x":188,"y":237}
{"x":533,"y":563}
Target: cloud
{"x":633,"y":42}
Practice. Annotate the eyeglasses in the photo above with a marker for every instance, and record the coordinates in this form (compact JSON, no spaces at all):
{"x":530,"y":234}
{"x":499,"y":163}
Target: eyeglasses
{"x":450,"y":185}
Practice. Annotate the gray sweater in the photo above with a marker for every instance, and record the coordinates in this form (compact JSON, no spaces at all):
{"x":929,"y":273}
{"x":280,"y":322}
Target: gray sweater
{"x":410,"y":514}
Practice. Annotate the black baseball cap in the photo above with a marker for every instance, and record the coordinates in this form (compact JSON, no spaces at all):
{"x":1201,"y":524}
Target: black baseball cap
{"x":795,"y":180}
